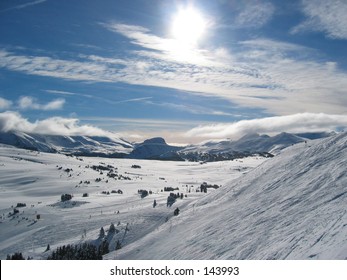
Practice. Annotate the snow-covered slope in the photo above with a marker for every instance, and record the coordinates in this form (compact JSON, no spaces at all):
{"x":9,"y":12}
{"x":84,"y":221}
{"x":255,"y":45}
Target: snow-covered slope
{"x":79,"y":145}
{"x":292,"y":206}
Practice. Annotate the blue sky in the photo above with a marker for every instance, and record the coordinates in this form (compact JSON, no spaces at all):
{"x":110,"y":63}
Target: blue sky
{"x":184,"y":70}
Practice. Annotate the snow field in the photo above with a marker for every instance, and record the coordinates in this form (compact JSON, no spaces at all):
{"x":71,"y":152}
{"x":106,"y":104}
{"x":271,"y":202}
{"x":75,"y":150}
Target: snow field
{"x":39,"y":179}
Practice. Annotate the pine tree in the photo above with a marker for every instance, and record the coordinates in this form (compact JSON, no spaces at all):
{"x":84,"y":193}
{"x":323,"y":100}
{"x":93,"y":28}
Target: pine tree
{"x":118,"y":245}
{"x":102,"y":233}
{"x":112,"y":229}
{"x":103,"y":248}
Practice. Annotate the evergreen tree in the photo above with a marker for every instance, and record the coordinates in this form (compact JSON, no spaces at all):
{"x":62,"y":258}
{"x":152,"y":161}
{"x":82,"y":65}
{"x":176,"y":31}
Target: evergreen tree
{"x":112,"y":229}
{"x":103,"y":248}
{"x":102,"y":233}
{"x":118,"y":245}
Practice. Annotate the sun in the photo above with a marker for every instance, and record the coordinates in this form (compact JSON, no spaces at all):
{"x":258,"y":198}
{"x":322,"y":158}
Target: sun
{"x":188,"y":26}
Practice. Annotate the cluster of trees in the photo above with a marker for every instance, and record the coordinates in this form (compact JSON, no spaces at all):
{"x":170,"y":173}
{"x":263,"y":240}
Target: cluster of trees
{"x":85,"y":182}
{"x":101,"y":167}
{"x":171,"y":199}
{"x":117,"y":176}
{"x":135,"y":166}
{"x":170,"y":189}
{"x":204,"y":186}
{"x":118,"y":191}
{"x":15,"y":211}
{"x":15,"y":256}
{"x":113,"y":191}
{"x":85,"y":251}
{"x":143,"y":193}
{"x":111,"y":231}
{"x":66,"y":197}
{"x":19,"y":204}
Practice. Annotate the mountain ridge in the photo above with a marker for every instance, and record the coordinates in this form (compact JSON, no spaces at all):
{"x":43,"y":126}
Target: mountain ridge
{"x":156,"y":148}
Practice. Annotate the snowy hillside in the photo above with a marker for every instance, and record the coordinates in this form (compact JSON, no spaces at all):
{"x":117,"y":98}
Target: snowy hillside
{"x":292,"y":206}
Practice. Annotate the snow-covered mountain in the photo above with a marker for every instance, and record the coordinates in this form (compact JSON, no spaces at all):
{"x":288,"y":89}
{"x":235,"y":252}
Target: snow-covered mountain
{"x":249,"y":143}
{"x":156,"y":148}
{"x":77,"y":145}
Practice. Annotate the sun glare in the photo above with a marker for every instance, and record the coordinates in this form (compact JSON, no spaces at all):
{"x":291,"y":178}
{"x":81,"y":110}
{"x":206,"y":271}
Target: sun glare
{"x":188,"y":26}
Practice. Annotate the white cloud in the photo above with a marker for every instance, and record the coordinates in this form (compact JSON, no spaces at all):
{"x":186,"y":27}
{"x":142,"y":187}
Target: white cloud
{"x":325,"y":16}
{"x":27,"y":102}
{"x":254,"y":14}
{"x":13,"y":121}
{"x":305,"y":122}
{"x":5,"y":104}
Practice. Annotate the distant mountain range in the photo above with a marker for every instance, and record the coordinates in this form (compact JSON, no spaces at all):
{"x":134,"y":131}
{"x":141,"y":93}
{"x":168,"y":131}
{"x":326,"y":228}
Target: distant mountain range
{"x":157,"y":148}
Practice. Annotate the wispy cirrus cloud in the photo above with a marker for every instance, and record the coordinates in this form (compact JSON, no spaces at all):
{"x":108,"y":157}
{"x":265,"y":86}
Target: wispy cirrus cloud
{"x":192,"y":109}
{"x":277,"y":77}
{"x":68,"y":93}
{"x":107,"y":100}
{"x":324,"y":16}
{"x":254,"y":14}
{"x":305,"y":122}
{"x":28,"y":102}
{"x":22,"y":6}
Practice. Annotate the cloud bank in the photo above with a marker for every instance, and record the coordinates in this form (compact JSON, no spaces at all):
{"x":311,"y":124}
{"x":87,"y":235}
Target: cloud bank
{"x":13,"y":121}
{"x":305,"y":122}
